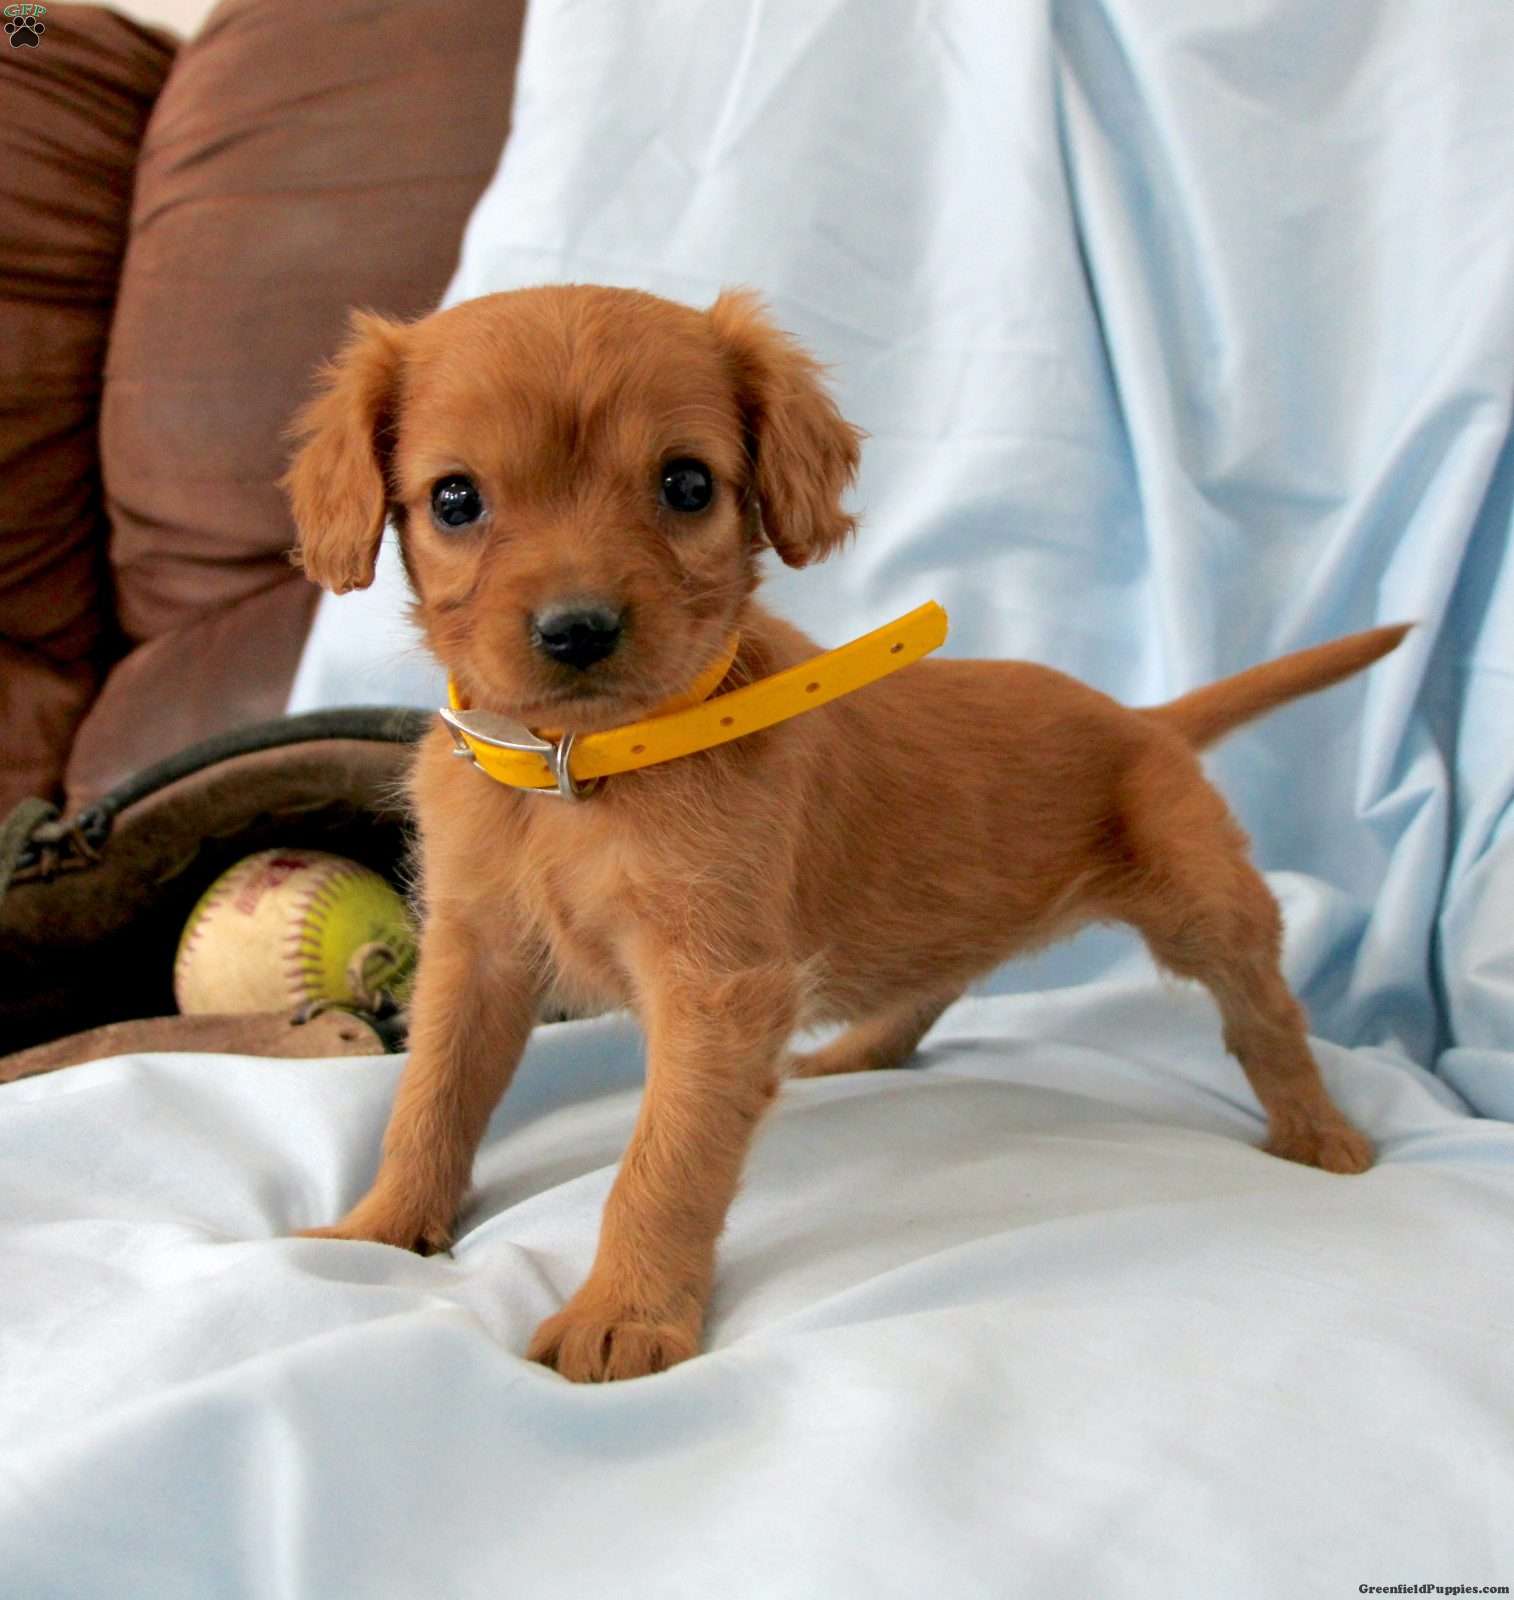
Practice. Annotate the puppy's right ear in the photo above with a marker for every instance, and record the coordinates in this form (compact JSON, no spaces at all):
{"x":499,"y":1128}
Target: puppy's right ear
{"x":336,"y":483}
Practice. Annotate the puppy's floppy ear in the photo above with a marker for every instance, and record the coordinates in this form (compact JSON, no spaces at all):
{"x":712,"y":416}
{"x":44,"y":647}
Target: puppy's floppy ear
{"x":805,"y":451}
{"x":336,"y":482}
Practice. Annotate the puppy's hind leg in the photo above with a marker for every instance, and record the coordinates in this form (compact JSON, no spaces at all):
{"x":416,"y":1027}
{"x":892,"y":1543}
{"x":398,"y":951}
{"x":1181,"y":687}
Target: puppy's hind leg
{"x":885,"y":1040}
{"x":1206,"y":913}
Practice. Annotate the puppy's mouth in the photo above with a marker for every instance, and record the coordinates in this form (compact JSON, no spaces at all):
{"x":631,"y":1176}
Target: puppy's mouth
{"x":590,"y":703}
{"x":584,"y":706}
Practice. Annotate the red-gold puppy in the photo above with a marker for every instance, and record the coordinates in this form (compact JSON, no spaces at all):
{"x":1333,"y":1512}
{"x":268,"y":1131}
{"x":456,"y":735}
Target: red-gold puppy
{"x":584,"y":481}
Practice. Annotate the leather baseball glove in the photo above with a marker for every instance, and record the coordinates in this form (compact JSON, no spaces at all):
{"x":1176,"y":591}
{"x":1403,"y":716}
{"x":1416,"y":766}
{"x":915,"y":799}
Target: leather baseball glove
{"x":91,"y":906}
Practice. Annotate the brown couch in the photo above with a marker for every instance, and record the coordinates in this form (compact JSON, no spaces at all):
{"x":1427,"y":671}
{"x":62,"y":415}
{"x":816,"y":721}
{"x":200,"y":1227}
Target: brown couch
{"x":183,"y":227}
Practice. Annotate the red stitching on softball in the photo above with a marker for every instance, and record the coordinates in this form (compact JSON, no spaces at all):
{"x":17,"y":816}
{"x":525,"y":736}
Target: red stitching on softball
{"x":297,"y":973}
{"x":200,"y":916}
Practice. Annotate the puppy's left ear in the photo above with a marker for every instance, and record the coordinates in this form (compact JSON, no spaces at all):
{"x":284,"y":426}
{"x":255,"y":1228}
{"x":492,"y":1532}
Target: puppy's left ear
{"x":805,"y":452}
{"x":336,"y":483}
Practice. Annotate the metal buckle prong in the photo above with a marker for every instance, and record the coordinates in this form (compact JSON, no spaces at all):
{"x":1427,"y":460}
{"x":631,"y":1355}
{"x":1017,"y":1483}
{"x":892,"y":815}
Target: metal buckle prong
{"x":504,"y":733}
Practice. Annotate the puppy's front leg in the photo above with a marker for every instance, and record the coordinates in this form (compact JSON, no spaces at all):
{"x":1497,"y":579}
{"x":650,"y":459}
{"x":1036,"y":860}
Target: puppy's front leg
{"x":474,"y":1006}
{"x":714,"y":1050}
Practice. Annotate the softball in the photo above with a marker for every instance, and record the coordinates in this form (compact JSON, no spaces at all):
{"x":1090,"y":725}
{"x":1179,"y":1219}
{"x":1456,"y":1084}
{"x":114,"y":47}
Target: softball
{"x":287,"y":927}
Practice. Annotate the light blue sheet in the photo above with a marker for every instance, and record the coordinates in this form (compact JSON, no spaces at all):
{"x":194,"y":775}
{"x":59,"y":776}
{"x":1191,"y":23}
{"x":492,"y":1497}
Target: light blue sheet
{"x":1184,"y":335}
{"x":1184,"y":332}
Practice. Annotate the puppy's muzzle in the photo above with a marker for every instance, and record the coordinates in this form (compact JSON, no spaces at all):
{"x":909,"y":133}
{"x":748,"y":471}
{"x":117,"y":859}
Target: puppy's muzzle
{"x":576,"y":634}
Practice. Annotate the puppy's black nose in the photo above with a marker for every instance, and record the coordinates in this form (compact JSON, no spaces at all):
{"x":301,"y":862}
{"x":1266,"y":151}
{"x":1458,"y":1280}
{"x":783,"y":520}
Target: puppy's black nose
{"x":576,"y":635}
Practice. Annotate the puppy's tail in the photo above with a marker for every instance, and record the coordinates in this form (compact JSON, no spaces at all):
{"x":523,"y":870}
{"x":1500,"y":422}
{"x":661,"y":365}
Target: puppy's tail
{"x":1210,"y":713}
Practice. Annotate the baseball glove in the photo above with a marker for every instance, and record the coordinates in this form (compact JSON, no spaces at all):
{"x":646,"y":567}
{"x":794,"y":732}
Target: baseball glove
{"x":91,"y":906}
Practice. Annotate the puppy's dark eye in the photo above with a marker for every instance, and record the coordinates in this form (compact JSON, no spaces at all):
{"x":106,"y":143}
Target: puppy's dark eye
{"x":455,"y":501}
{"x":687,"y":485}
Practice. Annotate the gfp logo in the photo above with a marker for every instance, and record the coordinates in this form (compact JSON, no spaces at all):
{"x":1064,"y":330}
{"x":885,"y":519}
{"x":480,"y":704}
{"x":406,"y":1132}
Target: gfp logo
{"x":24,"y":24}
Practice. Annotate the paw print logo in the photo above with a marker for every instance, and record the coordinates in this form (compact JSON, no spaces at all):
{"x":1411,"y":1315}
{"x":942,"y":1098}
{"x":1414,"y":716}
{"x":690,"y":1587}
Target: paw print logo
{"x":24,"y":25}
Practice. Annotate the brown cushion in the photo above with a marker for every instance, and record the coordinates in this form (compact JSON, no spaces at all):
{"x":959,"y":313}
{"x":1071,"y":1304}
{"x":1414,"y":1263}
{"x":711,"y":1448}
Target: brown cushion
{"x":72,"y":113}
{"x":41,"y":702}
{"x":228,"y":668}
{"x":292,"y":169}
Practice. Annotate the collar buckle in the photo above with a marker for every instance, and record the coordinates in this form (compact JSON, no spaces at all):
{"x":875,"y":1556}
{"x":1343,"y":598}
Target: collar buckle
{"x":504,"y":733}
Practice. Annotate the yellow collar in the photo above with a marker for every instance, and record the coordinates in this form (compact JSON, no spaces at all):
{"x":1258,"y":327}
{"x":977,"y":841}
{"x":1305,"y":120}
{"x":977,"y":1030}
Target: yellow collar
{"x":512,"y":754}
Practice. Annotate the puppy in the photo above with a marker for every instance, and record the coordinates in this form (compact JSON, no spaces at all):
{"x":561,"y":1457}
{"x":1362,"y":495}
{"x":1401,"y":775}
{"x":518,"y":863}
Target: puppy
{"x":584,"y":481}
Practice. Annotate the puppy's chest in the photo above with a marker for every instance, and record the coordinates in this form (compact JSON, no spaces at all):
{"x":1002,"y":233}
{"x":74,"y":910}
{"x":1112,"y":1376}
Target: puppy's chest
{"x":586,"y":906}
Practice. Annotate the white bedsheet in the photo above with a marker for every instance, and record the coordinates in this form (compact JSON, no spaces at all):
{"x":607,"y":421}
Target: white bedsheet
{"x":1033,"y":1320}
{"x":1184,"y":333}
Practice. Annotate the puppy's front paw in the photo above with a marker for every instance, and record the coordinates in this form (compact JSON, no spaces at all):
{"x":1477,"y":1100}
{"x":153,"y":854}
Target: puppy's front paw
{"x":385,"y":1224}
{"x":593,"y":1340}
{"x":1332,"y":1147}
